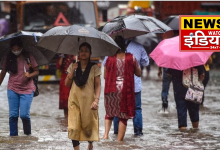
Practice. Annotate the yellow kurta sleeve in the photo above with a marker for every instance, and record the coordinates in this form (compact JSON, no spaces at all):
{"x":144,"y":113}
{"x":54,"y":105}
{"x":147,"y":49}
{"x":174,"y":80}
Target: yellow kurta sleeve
{"x":97,"y":70}
{"x":70,"y":68}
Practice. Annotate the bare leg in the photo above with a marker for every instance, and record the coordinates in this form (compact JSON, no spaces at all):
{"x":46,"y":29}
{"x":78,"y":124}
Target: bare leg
{"x":108,"y":124}
{"x":66,"y":113}
{"x":76,"y":148}
{"x":90,"y":146}
{"x":148,"y":73}
{"x":183,"y":128}
{"x":121,"y":131}
{"x":195,"y":124}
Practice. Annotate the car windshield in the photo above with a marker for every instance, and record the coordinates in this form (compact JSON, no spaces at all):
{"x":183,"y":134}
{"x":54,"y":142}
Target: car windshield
{"x":45,"y":15}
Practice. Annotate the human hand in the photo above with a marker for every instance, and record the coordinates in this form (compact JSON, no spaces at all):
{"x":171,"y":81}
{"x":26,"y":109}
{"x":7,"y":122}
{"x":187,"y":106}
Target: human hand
{"x":75,"y":66}
{"x":74,"y":57}
{"x":62,"y":55}
{"x":27,"y":75}
{"x":94,"y":105}
{"x":169,"y":75}
{"x":159,"y":74}
{"x":202,"y":77}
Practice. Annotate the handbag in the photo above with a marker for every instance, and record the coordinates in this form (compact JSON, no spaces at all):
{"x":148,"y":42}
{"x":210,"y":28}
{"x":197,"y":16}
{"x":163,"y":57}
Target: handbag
{"x":35,"y":79}
{"x":195,"y":92}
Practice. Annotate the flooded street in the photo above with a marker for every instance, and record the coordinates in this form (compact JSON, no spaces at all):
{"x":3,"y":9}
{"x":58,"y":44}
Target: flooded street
{"x":49,"y":127}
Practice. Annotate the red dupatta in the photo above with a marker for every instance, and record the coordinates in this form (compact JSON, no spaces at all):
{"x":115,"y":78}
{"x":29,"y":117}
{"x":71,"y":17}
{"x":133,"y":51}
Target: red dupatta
{"x":127,"y":104}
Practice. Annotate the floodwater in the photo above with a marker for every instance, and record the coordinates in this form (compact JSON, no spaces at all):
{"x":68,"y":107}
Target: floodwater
{"x":49,"y":127}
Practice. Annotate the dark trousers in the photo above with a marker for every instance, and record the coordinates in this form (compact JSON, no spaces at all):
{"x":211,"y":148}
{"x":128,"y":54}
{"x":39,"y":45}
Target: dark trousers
{"x":166,"y":84}
{"x":183,"y":105}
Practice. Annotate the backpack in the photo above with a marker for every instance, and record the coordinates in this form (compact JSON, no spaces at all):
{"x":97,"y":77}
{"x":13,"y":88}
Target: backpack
{"x":35,"y":79}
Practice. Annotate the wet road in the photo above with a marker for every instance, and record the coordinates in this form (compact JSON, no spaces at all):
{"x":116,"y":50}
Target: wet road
{"x":49,"y":127}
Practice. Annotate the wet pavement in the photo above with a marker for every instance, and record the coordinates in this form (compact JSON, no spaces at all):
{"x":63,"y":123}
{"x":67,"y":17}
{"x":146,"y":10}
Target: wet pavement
{"x":49,"y":127}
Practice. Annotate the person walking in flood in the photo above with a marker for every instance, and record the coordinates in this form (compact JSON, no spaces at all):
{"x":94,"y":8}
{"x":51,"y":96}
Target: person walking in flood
{"x":21,"y":87}
{"x":140,"y":54}
{"x":119,"y":88}
{"x":182,"y":105}
{"x":83,"y":120}
{"x":63,"y":64}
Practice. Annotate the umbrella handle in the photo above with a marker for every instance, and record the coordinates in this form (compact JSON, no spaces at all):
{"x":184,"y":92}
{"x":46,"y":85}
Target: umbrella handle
{"x":74,"y":75}
{"x":76,"y":58}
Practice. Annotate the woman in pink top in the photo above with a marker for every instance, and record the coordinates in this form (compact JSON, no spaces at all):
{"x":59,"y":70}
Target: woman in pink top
{"x":20,"y":86}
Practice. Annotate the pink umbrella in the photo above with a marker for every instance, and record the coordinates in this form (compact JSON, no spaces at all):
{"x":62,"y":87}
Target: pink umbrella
{"x":167,"y":55}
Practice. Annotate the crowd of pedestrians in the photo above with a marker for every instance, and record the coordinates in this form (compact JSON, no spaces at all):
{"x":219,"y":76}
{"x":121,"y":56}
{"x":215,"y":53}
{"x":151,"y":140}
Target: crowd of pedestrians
{"x":80,"y":88}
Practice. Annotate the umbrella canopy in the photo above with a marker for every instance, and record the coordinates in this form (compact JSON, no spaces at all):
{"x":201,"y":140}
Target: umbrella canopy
{"x":134,"y":25}
{"x":173,"y":22}
{"x":167,"y":55}
{"x":67,"y":39}
{"x":149,"y":41}
{"x":29,"y":40}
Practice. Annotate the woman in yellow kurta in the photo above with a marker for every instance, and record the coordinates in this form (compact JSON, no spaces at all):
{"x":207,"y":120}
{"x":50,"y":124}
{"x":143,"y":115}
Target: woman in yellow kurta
{"x":83,"y":120}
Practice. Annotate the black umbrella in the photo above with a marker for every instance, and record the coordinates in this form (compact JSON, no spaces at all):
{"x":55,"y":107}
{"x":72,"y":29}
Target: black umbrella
{"x":67,"y":39}
{"x":29,"y":40}
{"x":149,"y":41}
{"x":134,"y":25}
{"x":173,"y":22}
